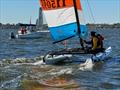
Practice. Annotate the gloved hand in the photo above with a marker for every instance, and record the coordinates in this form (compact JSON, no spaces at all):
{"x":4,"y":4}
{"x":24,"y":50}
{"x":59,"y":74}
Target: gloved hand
{"x":84,"y":41}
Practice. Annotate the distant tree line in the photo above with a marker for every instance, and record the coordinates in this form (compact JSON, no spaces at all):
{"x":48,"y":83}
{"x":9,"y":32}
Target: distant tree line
{"x":90,"y":26}
{"x":103,"y":26}
{"x":9,"y":26}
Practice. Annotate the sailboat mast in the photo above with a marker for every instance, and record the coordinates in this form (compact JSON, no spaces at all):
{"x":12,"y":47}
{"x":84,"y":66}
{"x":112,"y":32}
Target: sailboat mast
{"x":77,"y":18}
{"x":78,"y":24}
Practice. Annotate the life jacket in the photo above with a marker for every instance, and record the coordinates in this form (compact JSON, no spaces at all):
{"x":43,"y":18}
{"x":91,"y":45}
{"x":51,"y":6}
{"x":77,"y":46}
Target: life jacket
{"x":100,"y":40}
{"x":95,"y":46}
{"x":22,"y":31}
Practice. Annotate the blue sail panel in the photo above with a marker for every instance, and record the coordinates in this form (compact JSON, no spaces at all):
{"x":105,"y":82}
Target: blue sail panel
{"x":63,"y":32}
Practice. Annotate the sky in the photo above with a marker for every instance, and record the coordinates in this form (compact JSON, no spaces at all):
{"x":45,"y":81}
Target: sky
{"x":95,"y":11}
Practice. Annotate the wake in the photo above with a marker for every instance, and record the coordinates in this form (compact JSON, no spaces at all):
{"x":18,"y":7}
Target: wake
{"x":88,"y":65}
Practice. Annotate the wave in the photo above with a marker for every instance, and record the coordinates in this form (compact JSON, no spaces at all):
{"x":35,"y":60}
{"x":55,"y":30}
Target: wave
{"x":50,"y":84}
{"x":88,"y":65}
{"x":62,"y":71}
{"x":12,"y":83}
{"x":21,"y":61}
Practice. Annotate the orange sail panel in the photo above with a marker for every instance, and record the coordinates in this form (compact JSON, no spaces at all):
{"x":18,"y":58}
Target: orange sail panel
{"x":58,"y":4}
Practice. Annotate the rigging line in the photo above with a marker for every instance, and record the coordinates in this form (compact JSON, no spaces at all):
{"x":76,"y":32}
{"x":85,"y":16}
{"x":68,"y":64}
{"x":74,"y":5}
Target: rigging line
{"x":119,"y":10}
{"x":83,"y":16}
{"x":90,"y":11}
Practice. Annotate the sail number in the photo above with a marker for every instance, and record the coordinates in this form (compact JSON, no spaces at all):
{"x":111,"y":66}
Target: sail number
{"x":52,"y":4}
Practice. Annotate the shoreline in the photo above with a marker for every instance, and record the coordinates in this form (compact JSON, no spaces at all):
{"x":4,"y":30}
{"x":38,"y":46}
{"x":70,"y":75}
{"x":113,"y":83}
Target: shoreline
{"x":89,"y":26}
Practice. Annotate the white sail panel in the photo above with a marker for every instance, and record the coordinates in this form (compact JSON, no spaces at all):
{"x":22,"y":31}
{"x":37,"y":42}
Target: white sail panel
{"x":60,"y":17}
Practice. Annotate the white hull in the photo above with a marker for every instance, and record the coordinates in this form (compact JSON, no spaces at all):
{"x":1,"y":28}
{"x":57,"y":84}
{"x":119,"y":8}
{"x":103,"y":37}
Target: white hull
{"x":57,"y":58}
{"x":32,"y":35}
{"x":102,"y":56}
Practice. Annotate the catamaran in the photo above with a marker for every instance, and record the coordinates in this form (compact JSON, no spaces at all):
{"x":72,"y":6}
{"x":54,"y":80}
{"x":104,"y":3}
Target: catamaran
{"x":65,"y":20}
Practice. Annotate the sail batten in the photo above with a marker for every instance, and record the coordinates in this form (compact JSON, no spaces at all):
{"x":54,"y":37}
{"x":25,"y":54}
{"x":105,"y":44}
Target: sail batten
{"x":61,"y":18}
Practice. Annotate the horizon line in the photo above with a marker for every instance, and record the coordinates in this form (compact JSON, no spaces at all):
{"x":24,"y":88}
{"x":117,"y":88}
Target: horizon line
{"x":46,"y":23}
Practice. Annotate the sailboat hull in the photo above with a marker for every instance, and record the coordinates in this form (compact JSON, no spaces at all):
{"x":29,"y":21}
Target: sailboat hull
{"x":49,"y":59}
{"x":102,"y":55}
{"x":52,"y":59}
{"x":32,"y":35}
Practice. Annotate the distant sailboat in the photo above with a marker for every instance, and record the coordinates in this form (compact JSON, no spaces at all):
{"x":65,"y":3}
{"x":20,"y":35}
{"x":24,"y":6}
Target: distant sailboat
{"x":64,"y":18}
{"x":29,"y":31}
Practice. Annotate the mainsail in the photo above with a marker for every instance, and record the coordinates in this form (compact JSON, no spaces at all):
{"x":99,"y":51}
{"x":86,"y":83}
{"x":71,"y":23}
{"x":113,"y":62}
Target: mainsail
{"x":61,"y":18}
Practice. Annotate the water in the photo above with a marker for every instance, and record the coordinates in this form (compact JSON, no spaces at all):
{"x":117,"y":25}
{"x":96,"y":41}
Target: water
{"x":20,"y":70}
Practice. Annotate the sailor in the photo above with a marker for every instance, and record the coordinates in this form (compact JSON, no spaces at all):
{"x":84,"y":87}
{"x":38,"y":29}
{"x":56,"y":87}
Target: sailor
{"x":100,"y":38}
{"x":25,"y":30}
{"x":96,"y":42}
{"x":22,"y":30}
{"x":12,"y":35}
{"x":82,"y":43}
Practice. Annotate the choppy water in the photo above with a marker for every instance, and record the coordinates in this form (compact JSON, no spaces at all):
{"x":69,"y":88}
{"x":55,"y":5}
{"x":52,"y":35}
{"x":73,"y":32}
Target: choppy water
{"x":19,"y":70}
